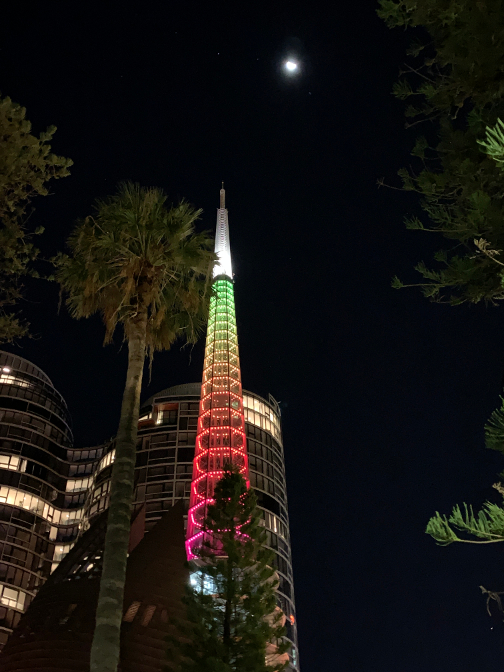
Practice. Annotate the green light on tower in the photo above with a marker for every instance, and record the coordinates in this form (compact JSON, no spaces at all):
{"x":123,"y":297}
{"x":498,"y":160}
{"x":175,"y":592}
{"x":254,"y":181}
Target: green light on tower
{"x":221,"y":424}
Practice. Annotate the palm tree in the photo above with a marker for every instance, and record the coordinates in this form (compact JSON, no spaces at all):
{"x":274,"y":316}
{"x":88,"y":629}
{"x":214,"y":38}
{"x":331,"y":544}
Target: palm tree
{"x":138,"y":262}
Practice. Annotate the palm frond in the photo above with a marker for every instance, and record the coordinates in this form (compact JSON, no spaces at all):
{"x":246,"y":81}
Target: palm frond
{"x":138,"y":253}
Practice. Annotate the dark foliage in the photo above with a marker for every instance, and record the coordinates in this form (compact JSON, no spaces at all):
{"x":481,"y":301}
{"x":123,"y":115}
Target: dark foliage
{"x":233,"y":623}
{"x":454,"y":89}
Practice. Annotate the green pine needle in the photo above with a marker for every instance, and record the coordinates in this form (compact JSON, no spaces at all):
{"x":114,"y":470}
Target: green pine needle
{"x":494,"y":429}
{"x":487,"y":525}
{"x":494,"y":143}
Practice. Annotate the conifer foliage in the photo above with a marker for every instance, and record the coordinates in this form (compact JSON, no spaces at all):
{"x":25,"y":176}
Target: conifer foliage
{"x":485,"y":526}
{"x":233,"y":623}
{"x":26,"y":166}
{"x":453,"y":88}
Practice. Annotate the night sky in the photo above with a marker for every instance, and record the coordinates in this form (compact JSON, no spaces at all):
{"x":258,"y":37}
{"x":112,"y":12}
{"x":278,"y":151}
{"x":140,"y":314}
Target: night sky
{"x":384,"y":396}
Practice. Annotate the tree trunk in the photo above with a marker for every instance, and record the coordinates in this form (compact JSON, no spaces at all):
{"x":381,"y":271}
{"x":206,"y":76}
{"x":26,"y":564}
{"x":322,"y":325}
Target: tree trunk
{"x":227,"y":612}
{"x":105,"y":649}
{"x":230,"y":593}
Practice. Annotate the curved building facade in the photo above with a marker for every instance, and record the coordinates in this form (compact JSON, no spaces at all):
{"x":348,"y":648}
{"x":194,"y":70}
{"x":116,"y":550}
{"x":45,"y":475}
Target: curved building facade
{"x":43,"y":484}
{"x":50,"y":492}
{"x":56,"y":633}
{"x":165,"y":452}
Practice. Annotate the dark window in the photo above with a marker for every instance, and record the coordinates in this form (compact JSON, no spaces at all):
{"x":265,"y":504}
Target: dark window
{"x":161,"y":455}
{"x":167,"y":417}
{"x":155,"y":471}
{"x":141,"y":459}
{"x":159,"y":438}
{"x":185,"y":454}
{"x":285,"y":587}
{"x":281,"y":564}
{"x":268,"y":502}
{"x":154,"y":490}
{"x":184,"y":469}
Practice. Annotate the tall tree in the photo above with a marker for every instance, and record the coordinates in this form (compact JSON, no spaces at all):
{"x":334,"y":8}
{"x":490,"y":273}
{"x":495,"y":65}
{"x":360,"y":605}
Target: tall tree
{"x":26,"y":165}
{"x":456,"y":78}
{"x":486,"y":526}
{"x":233,"y":623}
{"x":454,"y":87}
{"x":139,"y":263}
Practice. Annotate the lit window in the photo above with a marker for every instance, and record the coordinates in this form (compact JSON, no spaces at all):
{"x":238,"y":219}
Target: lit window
{"x":9,"y":379}
{"x":12,"y":598}
{"x":78,"y":485}
{"x":11,"y":462}
{"x":104,"y":462}
{"x":148,"y":614}
{"x":23,"y":500}
{"x":60,"y":552}
{"x":203,"y":582}
{"x":131,"y":613}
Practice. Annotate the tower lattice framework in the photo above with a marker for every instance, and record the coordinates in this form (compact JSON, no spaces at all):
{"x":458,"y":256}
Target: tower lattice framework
{"x":220,"y":439}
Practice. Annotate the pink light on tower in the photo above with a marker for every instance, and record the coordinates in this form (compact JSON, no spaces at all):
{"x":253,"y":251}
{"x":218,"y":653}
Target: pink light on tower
{"x":221,"y":423}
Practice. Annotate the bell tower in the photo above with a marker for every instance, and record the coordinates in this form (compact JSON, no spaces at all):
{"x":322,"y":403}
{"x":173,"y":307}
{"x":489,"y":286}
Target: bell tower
{"x":220,"y":439}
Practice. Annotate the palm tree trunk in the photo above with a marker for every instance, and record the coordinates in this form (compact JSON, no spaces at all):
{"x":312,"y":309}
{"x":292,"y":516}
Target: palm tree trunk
{"x":105,"y":649}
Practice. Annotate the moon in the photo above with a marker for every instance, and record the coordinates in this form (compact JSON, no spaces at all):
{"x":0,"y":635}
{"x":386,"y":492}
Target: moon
{"x":291,"y":66}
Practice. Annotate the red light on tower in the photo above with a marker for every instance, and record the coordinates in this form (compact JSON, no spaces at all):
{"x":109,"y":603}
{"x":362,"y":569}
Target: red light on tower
{"x":221,"y":424}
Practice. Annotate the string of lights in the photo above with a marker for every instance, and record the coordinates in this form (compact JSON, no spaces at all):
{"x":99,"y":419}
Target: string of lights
{"x":220,"y":438}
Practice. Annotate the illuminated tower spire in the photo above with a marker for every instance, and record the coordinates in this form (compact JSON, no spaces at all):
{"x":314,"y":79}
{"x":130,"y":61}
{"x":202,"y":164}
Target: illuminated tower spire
{"x":221,"y":425}
{"x":222,"y":247}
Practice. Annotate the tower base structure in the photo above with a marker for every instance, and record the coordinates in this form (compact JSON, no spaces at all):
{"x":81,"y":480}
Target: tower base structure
{"x":56,"y":633}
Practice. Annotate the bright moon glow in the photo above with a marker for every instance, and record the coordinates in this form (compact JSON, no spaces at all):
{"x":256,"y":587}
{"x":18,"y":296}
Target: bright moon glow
{"x":291,"y":66}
